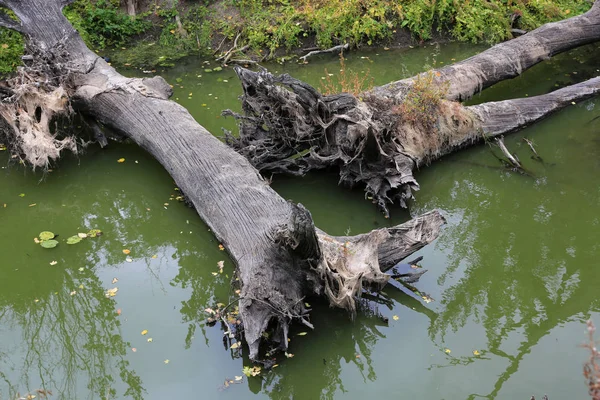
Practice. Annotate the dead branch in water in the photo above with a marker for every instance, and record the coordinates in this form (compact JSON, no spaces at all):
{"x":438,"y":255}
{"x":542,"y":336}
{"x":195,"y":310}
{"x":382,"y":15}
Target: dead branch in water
{"x":336,"y":49}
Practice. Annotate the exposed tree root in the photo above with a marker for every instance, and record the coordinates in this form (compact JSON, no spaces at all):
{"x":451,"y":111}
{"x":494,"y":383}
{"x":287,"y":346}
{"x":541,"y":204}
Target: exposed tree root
{"x":289,"y":127}
{"x":31,"y":104}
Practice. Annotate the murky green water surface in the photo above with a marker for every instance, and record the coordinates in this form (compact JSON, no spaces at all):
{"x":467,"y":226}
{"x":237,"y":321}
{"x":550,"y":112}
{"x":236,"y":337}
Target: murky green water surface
{"x":514,"y":274}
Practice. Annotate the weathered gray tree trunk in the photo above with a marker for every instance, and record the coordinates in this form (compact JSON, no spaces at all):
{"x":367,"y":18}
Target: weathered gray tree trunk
{"x":131,"y":8}
{"x":379,"y":137}
{"x":280,"y":255}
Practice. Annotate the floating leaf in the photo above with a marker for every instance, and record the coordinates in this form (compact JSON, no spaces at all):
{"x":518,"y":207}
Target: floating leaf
{"x":166,"y":361}
{"x":214,"y":273}
{"x":395,"y":318}
{"x":447,"y":351}
{"x":73,"y":293}
{"x":121,"y":160}
{"x":112,"y":292}
{"x":235,"y":345}
{"x":33,"y":205}
{"x":149,"y":340}
{"x":128,"y":259}
{"x":302,"y":334}
{"x":238,"y":378}
{"x":22,"y":195}
{"x":217,"y":69}
{"x":126,"y":251}
{"x":476,"y":353}
{"x":209,"y":310}
{"x":119,"y":311}
{"x":221,"y":247}
{"x":155,"y":256}
{"x":73,"y":240}
{"x":288,"y":355}
{"x":94,"y":233}
{"x":46,"y":235}
{"x":133,"y":349}
{"x":81,"y":269}
{"x":53,"y":262}
{"x":145,"y":331}
{"x":115,"y":280}
{"x":82,"y":235}
{"x":49,"y":244}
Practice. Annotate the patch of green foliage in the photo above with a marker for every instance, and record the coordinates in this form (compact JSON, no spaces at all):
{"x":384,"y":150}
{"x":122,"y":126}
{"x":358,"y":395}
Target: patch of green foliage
{"x":11,"y":48}
{"x":102,"y":23}
{"x":273,"y":24}
{"x":283,"y":24}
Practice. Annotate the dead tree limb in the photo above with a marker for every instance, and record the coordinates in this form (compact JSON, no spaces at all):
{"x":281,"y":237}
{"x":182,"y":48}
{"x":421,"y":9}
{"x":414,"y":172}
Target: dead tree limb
{"x":335,"y":49}
{"x":280,"y":256}
{"x":509,"y":59}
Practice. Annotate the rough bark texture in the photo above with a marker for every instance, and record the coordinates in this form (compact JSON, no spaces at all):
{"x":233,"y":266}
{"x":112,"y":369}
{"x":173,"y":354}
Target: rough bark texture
{"x":380,"y":137}
{"x":509,"y":59}
{"x":280,"y":255}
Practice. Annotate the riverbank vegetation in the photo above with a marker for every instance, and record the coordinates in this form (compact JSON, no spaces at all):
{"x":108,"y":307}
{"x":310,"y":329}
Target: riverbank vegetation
{"x":165,"y":30}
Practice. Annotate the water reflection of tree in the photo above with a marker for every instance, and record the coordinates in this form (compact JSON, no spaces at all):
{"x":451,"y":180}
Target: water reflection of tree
{"x":64,"y":333}
{"x":514,"y":257}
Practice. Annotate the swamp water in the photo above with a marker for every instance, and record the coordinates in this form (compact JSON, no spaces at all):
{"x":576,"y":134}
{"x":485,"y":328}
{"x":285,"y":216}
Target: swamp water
{"x":514,"y":274}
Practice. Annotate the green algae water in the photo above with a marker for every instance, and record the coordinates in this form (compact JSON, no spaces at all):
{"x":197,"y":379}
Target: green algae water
{"x":513,"y":274}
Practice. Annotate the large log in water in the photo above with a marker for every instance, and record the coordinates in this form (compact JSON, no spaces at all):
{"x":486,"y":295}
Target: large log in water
{"x":281,"y":257}
{"x":379,"y":137}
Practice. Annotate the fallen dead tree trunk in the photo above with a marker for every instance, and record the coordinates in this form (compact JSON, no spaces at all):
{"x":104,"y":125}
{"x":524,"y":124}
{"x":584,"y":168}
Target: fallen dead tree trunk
{"x":509,"y":59}
{"x":281,"y":257}
{"x":378,"y":138}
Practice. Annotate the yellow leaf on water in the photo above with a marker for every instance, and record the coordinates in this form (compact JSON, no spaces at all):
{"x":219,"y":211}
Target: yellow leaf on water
{"x":214,"y":273}
{"x":302,"y":334}
{"x":126,"y":251}
{"x":73,"y":293}
{"x":155,"y":256}
{"x":81,"y":269}
{"x":121,"y":160}
{"x":133,"y":349}
{"x":53,"y":262}
{"x":149,"y":340}
{"x":476,"y":353}
{"x":112,"y":292}
{"x":447,"y":351}
{"x":145,"y":331}
{"x":115,"y":280}
{"x":166,"y":361}
{"x":81,"y":286}
{"x":288,"y":355}
{"x":395,"y":318}
{"x":238,"y":291}
{"x":221,"y":247}
{"x":235,"y":345}
{"x":238,"y":378}
{"x":33,"y":205}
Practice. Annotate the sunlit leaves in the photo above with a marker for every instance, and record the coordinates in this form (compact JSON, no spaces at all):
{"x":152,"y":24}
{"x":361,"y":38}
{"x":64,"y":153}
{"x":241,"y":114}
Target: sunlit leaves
{"x":145,"y":332}
{"x":112,"y":292}
{"x":447,"y":351}
{"x":476,"y":353}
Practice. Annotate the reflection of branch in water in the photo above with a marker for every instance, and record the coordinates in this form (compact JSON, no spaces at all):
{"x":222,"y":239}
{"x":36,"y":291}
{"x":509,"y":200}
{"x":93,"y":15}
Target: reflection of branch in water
{"x":66,"y":334}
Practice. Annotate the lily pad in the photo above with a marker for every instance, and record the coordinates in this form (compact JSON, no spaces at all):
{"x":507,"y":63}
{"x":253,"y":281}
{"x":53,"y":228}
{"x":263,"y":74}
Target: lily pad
{"x":94,"y":233}
{"x":217,"y":69}
{"x":46,"y":235}
{"x":73,"y":239}
{"x":208,"y":70}
{"x":49,"y":244}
